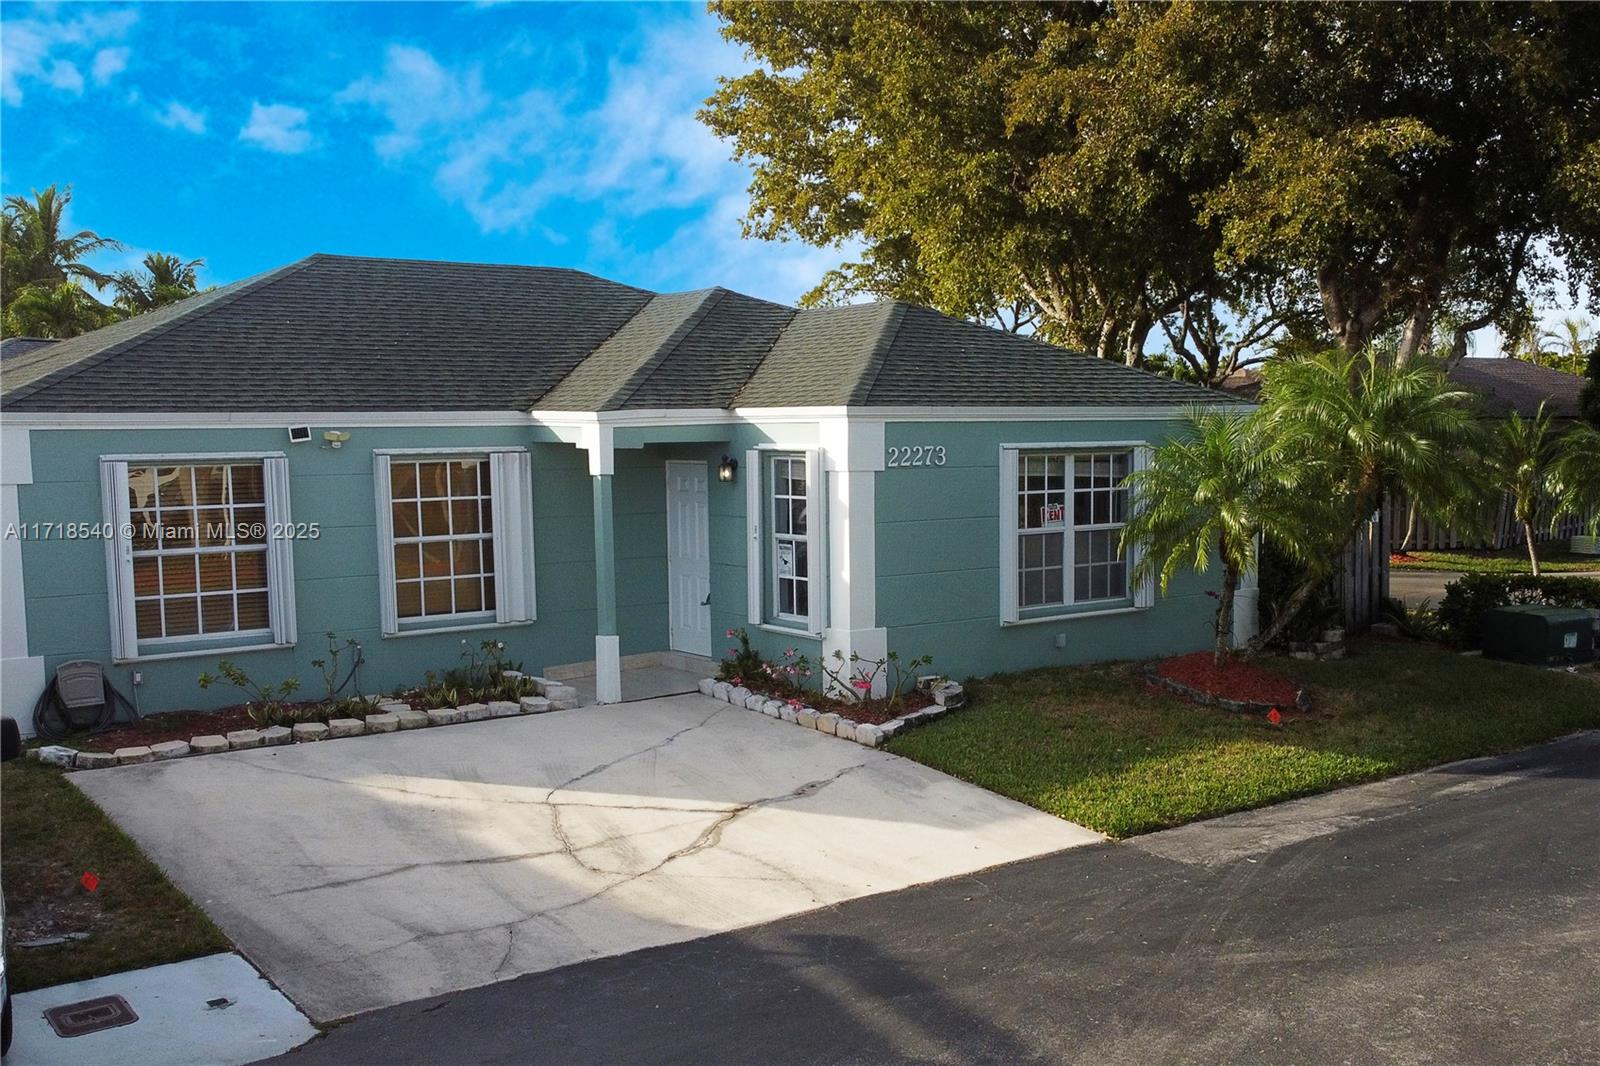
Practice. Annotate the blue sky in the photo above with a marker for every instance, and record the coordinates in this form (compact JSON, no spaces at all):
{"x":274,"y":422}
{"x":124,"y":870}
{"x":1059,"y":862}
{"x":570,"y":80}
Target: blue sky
{"x":254,"y":134}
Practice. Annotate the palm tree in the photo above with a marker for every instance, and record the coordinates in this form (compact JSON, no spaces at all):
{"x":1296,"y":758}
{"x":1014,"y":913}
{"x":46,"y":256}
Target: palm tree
{"x":1523,"y":456}
{"x":1576,"y":486}
{"x":1367,"y":427}
{"x":1216,"y":488}
{"x":166,"y":279}
{"x":1574,"y":345}
{"x":36,"y":252}
{"x":60,"y":311}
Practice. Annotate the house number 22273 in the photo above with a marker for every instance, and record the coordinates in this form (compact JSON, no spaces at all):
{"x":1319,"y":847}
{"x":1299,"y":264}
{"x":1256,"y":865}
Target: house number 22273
{"x":917,"y":455}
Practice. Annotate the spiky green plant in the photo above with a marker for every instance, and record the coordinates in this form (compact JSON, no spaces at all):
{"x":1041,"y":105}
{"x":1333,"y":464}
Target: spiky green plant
{"x":1523,"y":454}
{"x":1368,"y":428}
{"x":1212,"y":491}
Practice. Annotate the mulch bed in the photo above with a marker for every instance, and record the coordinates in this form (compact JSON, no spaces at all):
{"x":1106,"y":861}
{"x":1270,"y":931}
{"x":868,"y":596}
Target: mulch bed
{"x":1234,"y":685}
{"x":872,"y":712}
{"x":157,"y":728}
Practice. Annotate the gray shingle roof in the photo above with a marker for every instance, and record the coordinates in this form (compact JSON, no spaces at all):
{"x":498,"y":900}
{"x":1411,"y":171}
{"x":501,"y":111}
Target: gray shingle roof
{"x":349,"y":334}
{"x":1509,"y":385}
{"x":11,"y":347}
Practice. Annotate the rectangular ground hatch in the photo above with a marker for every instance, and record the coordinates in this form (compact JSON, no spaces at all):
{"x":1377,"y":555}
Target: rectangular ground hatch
{"x":90,"y":1016}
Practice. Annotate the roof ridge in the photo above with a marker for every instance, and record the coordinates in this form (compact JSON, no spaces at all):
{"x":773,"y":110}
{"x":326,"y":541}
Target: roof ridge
{"x":772,"y":346}
{"x":222,"y":297}
{"x":887,"y":334}
{"x":477,"y":263}
{"x":709,"y":298}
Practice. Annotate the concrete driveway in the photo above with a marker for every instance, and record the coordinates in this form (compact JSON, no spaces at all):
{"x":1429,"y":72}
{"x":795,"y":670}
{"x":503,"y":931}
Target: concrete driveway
{"x":365,"y":873}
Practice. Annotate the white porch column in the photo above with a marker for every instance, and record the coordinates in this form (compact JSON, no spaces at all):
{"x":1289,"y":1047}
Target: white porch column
{"x":852,"y":457}
{"x":21,"y":675}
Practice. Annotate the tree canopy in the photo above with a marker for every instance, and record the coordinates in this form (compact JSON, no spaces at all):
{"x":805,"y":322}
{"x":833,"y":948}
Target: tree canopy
{"x":44,"y":280}
{"x":1097,"y":169}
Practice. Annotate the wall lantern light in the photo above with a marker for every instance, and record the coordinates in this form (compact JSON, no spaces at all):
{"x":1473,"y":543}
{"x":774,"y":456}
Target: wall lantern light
{"x":728,"y":469}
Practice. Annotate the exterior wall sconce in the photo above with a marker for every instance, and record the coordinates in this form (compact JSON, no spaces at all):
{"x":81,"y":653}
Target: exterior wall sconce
{"x":728,"y":470}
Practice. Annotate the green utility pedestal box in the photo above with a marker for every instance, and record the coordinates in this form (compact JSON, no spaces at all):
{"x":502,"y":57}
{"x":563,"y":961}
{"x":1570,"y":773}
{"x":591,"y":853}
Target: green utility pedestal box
{"x":1549,"y":636}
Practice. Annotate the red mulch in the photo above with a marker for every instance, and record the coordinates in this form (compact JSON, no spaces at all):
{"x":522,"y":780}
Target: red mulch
{"x":174,"y":725}
{"x":1403,"y":557}
{"x":1233,"y":680}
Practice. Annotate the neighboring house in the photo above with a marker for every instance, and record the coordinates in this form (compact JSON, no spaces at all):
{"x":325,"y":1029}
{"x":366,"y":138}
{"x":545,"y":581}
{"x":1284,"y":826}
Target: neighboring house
{"x":14,"y":346}
{"x":586,"y":471}
{"x":1506,"y":386}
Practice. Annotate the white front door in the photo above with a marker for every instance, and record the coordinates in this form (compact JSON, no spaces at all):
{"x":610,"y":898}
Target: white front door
{"x":688,"y":558}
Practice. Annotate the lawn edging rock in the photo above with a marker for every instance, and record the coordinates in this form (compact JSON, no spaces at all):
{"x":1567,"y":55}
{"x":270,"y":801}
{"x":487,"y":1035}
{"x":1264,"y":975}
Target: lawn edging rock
{"x":391,"y":716}
{"x":947,"y":695}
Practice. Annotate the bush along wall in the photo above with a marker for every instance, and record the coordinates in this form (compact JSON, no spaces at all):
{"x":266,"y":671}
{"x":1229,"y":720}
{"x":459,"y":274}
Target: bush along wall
{"x":1468,"y":599}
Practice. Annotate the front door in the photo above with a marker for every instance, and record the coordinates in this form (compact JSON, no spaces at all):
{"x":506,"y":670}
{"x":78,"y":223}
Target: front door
{"x":688,"y":558}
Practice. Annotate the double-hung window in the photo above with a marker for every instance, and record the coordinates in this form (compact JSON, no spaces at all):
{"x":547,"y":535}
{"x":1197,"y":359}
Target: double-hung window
{"x":201,"y":554}
{"x":455,"y":539}
{"x":791,"y":539}
{"x":1063,"y":511}
{"x":786,"y":563}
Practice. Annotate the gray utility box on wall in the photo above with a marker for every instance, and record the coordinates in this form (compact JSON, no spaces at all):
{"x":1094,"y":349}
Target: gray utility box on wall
{"x":1548,"y":636}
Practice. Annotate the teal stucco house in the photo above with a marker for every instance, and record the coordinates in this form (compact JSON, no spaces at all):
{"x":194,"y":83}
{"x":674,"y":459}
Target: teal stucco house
{"x":414,"y":454}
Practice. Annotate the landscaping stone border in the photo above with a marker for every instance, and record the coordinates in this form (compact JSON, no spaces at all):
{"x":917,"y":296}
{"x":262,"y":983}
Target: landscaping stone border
{"x":388,"y":716}
{"x":1302,"y":698}
{"x":947,"y":696}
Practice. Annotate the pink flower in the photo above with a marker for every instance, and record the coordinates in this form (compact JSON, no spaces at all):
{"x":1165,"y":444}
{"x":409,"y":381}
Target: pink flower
{"x":733,"y":651}
{"x":738,"y":681}
{"x":796,"y":704}
{"x":862,"y":685}
{"x":729,"y":633}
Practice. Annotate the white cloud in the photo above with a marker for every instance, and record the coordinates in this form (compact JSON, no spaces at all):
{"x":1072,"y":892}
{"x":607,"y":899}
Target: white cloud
{"x":416,"y":96}
{"x":178,"y":117}
{"x":277,"y":128}
{"x":506,"y":157}
{"x":51,"y":48}
{"x":108,"y":63}
{"x":515,"y":157}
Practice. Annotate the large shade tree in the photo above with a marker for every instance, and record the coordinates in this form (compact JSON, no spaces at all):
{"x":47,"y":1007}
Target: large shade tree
{"x":1107,"y":165}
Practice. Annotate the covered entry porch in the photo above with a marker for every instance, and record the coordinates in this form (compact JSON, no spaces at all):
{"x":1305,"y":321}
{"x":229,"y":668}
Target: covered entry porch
{"x":662,"y":522}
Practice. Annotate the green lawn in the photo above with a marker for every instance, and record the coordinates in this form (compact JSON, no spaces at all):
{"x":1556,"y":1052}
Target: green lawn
{"x":136,"y":917}
{"x":1093,"y":745}
{"x":1499,"y":561}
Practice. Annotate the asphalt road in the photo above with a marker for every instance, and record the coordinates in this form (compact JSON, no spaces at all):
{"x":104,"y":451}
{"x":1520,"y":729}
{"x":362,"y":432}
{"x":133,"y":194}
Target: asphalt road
{"x":1452,"y":916}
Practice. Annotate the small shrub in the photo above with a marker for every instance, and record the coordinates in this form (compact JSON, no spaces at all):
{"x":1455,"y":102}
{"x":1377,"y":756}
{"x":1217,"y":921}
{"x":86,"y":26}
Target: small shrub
{"x":743,"y":661}
{"x":1468,"y":599}
{"x":266,"y":704}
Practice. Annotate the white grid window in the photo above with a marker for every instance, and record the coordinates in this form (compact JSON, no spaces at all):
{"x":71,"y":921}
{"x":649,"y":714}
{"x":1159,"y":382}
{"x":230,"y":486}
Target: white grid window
{"x":1094,"y":516}
{"x":1099,"y":511}
{"x":791,"y":538}
{"x":199,"y":550}
{"x":443,"y":517}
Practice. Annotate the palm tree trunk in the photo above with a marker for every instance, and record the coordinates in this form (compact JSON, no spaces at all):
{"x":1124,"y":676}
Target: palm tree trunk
{"x":1290,"y":609}
{"x":1533,"y":550}
{"x":1230,"y":584}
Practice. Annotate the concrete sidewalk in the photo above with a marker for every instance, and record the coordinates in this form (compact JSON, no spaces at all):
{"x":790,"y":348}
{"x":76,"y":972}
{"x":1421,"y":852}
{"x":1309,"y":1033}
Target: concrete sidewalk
{"x":211,"y":1011}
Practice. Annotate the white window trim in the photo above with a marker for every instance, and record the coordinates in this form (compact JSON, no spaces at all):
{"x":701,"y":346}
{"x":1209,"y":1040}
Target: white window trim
{"x":757,"y":550}
{"x":1142,"y":594}
{"x":126,"y":646}
{"x":511,"y":500}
